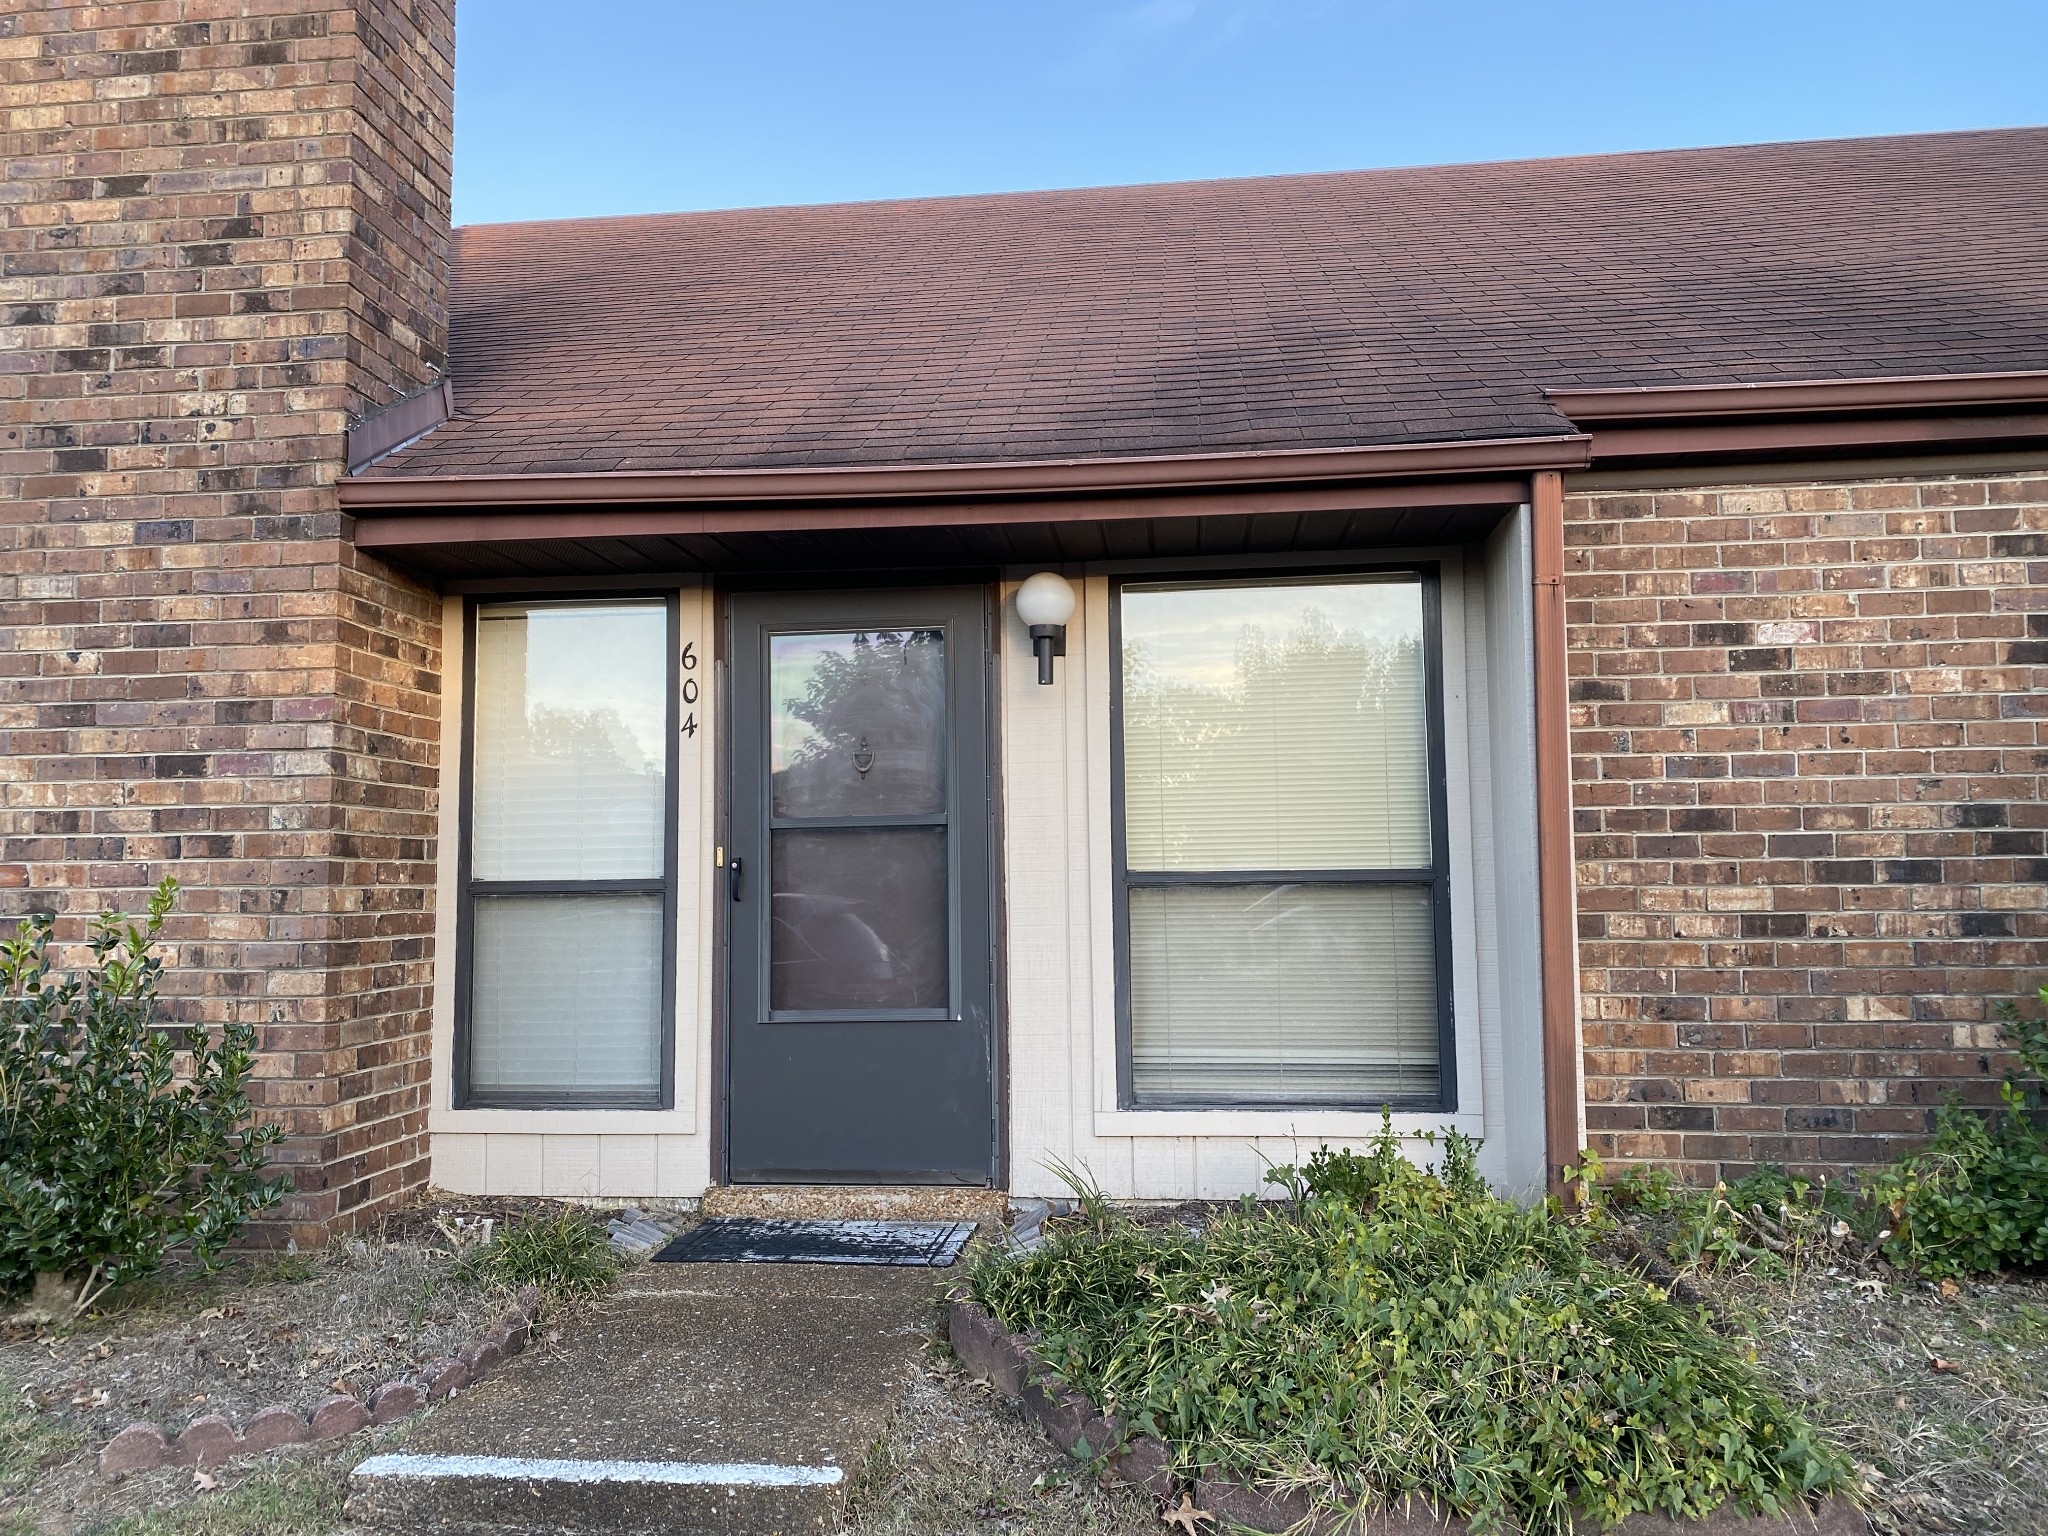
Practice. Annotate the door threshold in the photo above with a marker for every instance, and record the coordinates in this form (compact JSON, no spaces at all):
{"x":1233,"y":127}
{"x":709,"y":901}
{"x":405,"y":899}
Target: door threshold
{"x":859,"y":1202}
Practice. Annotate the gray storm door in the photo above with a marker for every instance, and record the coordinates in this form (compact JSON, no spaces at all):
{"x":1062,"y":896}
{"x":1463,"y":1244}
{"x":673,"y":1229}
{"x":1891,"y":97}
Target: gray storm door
{"x":859,"y":1042}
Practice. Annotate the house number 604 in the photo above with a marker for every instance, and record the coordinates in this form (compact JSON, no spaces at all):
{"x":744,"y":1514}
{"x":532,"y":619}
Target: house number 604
{"x":689,"y":663}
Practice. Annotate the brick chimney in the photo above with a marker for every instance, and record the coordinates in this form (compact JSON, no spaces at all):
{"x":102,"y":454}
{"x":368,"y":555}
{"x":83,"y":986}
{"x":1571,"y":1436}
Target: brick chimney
{"x":226,"y":232}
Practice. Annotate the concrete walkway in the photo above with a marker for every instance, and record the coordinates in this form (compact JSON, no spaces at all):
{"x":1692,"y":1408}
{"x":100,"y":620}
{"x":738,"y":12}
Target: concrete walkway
{"x":706,"y":1398}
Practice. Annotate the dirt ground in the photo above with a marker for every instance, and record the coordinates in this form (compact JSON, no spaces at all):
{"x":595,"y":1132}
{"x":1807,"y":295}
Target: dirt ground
{"x":957,"y":1458}
{"x":1941,"y":1392}
{"x":268,"y":1329}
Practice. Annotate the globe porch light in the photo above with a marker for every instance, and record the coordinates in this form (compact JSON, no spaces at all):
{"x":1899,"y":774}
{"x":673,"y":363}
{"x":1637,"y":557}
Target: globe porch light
{"x":1045,"y":602}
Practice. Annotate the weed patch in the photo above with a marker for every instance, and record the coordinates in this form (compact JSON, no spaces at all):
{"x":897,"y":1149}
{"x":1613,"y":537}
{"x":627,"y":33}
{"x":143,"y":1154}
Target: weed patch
{"x":563,"y":1254}
{"x":1975,"y":1199}
{"x":1393,"y":1333}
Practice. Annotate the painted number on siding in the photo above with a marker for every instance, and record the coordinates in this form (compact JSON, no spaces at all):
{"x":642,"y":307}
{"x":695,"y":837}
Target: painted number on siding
{"x":689,"y":661}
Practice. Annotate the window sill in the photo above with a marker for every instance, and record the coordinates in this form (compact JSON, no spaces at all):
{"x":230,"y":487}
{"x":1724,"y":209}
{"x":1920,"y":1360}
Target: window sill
{"x":1352,"y":1125}
{"x":681,"y":1121}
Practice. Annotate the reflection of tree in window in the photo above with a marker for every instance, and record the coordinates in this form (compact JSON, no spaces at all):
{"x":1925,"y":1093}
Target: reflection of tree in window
{"x":596,"y":737}
{"x":876,"y":700}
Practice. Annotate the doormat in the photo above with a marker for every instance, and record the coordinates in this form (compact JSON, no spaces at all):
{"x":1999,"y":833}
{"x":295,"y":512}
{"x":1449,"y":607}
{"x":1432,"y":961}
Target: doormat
{"x":752,"y":1240}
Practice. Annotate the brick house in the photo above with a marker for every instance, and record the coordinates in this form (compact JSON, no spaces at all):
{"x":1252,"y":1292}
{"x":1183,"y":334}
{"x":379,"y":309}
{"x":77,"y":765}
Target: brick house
{"x":1556,"y":649}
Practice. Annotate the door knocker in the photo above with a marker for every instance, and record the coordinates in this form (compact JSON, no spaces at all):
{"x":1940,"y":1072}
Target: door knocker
{"x":863,"y":759}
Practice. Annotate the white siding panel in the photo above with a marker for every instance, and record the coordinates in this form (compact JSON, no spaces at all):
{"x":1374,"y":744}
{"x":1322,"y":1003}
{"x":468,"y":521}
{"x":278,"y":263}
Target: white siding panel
{"x":1516,"y":1128}
{"x":1163,"y":1168}
{"x":626,"y":1167}
{"x":1491,"y":1088}
{"x":681,"y":1169}
{"x":514,"y":1165}
{"x":459,"y":1163}
{"x":570,"y":1166}
{"x":1226,"y":1167}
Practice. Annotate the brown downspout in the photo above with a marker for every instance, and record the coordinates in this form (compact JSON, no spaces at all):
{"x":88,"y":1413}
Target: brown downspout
{"x":1561,"y":1064}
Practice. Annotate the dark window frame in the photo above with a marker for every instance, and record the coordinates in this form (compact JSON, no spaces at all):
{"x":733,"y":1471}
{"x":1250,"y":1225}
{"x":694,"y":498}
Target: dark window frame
{"x":1428,"y":575}
{"x":468,"y":888}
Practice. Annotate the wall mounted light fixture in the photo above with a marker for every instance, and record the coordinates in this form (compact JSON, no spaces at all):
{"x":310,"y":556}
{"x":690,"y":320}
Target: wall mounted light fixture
{"x":1045,"y":602}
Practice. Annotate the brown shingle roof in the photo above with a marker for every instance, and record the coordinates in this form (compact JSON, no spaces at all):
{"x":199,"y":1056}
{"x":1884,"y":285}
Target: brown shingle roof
{"x":1287,"y":312}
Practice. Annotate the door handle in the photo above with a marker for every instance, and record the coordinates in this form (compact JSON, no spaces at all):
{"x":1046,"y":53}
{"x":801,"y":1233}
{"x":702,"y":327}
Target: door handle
{"x":732,"y":876}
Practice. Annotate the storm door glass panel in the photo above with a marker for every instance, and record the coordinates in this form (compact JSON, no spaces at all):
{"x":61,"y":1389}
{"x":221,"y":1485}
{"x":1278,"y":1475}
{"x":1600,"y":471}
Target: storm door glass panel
{"x":1278,"y":726}
{"x":859,"y":723}
{"x":571,"y":736}
{"x":567,"y":852}
{"x":568,"y":994}
{"x":859,"y":918}
{"x":1283,"y":994}
{"x":1282,"y":877}
{"x":859,"y":867}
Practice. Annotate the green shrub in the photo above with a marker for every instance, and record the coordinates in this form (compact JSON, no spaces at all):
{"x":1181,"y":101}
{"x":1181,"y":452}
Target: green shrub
{"x":1394,"y":1333}
{"x":1975,"y":1198}
{"x":565,"y":1253}
{"x":109,"y":1158}
{"x":1358,"y":1179}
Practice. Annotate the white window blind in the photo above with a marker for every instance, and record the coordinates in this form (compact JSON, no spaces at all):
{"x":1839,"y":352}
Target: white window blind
{"x":1273,"y":730}
{"x":1283,"y":994}
{"x":568,"y":994}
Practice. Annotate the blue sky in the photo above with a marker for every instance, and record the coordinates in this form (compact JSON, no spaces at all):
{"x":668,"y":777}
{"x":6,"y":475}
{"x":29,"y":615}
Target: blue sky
{"x":640,"y":106}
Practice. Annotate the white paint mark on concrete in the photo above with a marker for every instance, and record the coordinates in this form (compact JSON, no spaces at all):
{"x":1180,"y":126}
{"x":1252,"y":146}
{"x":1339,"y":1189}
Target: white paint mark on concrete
{"x":722,"y":1474}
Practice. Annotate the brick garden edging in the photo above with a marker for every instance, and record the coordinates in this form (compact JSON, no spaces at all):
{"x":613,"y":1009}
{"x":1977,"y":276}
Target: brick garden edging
{"x":211,"y":1439}
{"x":1077,"y":1426}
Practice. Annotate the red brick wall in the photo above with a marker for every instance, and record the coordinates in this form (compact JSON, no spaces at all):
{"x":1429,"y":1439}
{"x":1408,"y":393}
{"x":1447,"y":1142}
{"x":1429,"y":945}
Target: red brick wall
{"x":1810,"y":735}
{"x":225,"y":231}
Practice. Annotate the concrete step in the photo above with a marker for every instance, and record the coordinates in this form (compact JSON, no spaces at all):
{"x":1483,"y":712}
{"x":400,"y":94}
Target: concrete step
{"x":859,"y":1202}
{"x":535,"y":1496}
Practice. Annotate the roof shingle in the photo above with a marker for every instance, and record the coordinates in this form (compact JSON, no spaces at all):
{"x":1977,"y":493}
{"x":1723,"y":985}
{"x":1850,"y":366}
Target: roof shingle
{"x":1288,"y":312}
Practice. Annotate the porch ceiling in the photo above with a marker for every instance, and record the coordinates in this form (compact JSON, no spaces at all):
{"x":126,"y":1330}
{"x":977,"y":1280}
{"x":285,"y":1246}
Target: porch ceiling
{"x":638,"y":543}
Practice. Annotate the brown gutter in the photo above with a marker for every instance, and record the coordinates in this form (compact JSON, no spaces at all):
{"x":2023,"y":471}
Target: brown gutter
{"x":1556,"y":917}
{"x":1053,"y":477}
{"x":1676,"y":440}
{"x":1802,"y":396}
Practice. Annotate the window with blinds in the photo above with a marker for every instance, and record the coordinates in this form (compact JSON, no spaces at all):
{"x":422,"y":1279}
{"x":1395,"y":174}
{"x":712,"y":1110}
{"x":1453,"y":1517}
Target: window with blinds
{"x":1284,"y":891}
{"x":569,"y":887}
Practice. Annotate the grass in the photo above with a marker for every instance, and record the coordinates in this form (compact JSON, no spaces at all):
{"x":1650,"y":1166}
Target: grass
{"x":1393,"y":1333}
{"x":29,"y":1442}
{"x":1936,"y":1384}
{"x":291,"y":1499}
{"x":564,"y":1254}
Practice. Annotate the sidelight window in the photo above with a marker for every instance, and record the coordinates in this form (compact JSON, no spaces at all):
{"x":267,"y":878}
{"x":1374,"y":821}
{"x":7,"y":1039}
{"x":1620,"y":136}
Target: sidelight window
{"x":1282,"y":854}
{"x":568,"y":893}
